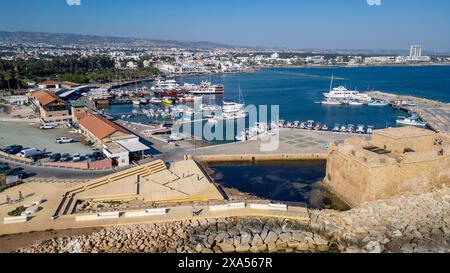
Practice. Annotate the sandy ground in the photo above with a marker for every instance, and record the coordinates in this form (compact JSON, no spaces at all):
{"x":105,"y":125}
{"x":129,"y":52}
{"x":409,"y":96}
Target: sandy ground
{"x":11,"y":243}
{"x":29,"y":135}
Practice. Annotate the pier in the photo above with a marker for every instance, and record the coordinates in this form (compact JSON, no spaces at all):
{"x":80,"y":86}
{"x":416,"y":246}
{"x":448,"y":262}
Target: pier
{"x":435,"y":113}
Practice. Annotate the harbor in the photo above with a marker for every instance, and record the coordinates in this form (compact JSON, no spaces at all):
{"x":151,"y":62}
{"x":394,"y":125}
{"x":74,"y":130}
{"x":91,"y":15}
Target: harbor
{"x":435,"y":113}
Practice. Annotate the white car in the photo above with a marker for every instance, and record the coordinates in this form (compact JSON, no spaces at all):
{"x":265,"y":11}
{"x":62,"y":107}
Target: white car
{"x":63,"y":140}
{"x":47,"y":127}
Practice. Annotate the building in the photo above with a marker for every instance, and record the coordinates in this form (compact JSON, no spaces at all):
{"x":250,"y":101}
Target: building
{"x":49,"y":85}
{"x":116,"y":142}
{"x":415,"y":52}
{"x":78,"y":110}
{"x":394,"y":162}
{"x":52,"y":109}
{"x":18,"y":100}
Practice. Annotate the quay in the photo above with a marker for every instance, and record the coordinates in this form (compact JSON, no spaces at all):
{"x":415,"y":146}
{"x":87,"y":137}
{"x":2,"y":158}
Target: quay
{"x":435,"y":113}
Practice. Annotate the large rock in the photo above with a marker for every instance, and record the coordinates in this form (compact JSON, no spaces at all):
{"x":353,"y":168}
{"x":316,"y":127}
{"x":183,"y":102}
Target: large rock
{"x":227,"y":246}
{"x":271,"y":238}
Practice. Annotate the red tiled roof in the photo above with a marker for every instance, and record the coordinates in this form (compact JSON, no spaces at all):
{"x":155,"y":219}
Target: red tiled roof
{"x":45,"y":97}
{"x":99,"y":126}
{"x":49,"y":83}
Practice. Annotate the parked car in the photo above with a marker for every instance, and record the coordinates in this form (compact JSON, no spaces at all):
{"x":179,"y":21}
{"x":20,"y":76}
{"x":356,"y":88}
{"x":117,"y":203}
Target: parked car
{"x":65,"y":158}
{"x":13,"y":149}
{"x":63,"y":140}
{"x":76,"y":158}
{"x":90,"y":158}
{"x":30,"y":153}
{"x":4,"y":168}
{"x":17,"y":172}
{"x":47,"y":127}
{"x":54,"y":157}
{"x":99,"y":155}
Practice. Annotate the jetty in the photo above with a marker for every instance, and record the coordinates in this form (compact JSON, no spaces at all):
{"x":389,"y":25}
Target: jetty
{"x":435,"y":113}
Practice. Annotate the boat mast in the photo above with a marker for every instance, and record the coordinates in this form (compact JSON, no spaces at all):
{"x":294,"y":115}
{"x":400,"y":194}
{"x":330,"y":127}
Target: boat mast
{"x":241,"y":96}
{"x":331,"y":84}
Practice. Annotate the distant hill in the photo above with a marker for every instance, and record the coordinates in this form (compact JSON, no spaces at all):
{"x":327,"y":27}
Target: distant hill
{"x":79,"y":39}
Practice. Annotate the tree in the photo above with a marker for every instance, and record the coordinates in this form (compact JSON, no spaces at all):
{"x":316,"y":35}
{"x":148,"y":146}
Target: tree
{"x":8,"y":75}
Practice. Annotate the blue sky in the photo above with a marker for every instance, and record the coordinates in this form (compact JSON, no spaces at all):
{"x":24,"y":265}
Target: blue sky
{"x":326,"y":24}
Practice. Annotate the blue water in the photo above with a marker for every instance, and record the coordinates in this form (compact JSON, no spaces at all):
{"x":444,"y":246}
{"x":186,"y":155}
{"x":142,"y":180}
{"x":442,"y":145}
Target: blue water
{"x":296,"y":89}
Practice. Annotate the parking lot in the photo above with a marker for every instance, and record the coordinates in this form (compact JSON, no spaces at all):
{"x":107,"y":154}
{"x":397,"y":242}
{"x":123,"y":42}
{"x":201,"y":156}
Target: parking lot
{"x":30,"y":136}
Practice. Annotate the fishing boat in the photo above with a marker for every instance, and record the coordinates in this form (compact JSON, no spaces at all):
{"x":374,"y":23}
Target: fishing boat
{"x":378,"y":103}
{"x":188,"y":98}
{"x":136,"y":102}
{"x":369,"y":130}
{"x":324,"y":127}
{"x":143,"y":101}
{"x":411,"y":121}
{"x":167,"y":101}
{"x":336,"y":128}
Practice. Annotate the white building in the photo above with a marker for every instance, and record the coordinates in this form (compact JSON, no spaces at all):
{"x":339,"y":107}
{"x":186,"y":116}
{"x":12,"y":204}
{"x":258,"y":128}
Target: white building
{"x":415,"y":52}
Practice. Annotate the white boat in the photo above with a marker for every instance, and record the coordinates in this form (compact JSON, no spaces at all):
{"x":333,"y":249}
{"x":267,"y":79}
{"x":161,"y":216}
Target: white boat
{"x":331,"y":102}
{"x":136,"y":102}
{"x":324,"y":127}
{"x":205,"y":88}
{"x":165,"y":85}
{"x":242,"y":136}
{"x":411,"y":121}
{"x":378,"y":103}
{"x":369,"y":130}
{"x":355,"y":103}
{"x":360,"y":129}
{"x":155,"y":101}
{"x":342,"y":93}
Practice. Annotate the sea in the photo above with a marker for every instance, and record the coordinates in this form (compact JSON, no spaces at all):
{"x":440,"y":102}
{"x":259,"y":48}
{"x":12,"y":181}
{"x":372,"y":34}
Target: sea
{"x":296,"y":91}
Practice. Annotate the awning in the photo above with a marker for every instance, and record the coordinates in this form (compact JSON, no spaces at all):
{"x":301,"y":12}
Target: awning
{"x":132,"y":145}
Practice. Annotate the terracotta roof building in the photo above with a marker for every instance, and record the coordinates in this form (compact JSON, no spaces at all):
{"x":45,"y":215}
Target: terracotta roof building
{"x":51,"y":108}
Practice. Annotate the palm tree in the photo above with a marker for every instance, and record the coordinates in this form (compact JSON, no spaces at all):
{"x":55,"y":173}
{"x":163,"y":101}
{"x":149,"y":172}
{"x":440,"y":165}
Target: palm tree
{"x":8,"y":76}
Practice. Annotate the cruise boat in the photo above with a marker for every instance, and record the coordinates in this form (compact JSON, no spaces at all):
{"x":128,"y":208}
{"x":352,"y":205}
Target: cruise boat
{"x":342,"y":93}
{"x":411,"y":121}
{"x":205,"y":88}
{"x":165,"y":85}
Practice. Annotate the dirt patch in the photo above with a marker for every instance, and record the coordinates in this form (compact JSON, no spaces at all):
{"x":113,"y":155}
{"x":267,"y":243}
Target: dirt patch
{"x":10,"y":243}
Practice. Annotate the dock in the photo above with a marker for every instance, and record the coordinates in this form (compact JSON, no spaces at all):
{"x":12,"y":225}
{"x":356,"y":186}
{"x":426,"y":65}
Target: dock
{"x":435,"y":113}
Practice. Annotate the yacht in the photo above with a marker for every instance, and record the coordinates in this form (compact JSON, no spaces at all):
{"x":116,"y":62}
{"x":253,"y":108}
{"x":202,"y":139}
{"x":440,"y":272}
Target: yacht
{"x":234,"y":110}
{"x":342,"y":93}
{"x":205,"y":88}
{"x":411,"y":121}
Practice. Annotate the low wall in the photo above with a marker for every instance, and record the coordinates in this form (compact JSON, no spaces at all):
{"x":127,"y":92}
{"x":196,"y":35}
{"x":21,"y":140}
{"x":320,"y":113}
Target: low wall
{"x":15,"y":158}
{"x":97,"y":165}
{"x":260,"y":157}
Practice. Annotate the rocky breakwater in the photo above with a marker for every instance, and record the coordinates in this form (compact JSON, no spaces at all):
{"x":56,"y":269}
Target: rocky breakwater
{"x":252,"y":235}
{"x":415,"y":223}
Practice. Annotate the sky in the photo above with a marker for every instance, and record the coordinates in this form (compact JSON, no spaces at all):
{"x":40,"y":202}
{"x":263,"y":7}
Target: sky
{"x":297,"y":24}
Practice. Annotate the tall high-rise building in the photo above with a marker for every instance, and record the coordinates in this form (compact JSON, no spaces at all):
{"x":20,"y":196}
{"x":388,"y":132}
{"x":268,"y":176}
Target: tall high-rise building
{"x":415,"y":52}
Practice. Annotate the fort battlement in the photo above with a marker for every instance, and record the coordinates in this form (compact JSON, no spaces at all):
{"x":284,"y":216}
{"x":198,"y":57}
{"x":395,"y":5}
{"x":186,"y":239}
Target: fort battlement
{"x":393,"y":162}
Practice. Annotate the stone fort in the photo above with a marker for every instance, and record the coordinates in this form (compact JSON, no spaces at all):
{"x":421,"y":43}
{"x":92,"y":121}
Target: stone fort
{"x":392,"y":162}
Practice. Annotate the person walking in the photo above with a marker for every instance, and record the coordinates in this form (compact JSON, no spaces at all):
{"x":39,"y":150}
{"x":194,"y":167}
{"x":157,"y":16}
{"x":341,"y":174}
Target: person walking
{"x":20,"y":195}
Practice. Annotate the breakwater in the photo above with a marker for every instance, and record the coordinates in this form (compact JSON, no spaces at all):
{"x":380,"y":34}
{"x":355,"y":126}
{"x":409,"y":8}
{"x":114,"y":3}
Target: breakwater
{"x":416,"y":223}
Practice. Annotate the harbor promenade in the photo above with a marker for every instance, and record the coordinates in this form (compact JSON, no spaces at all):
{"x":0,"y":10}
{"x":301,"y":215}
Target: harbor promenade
{"x":435,"y":113}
